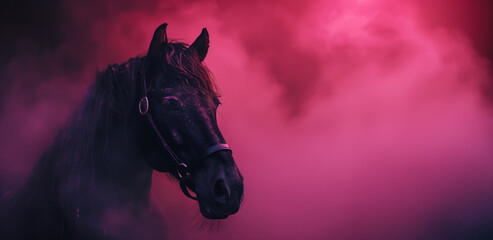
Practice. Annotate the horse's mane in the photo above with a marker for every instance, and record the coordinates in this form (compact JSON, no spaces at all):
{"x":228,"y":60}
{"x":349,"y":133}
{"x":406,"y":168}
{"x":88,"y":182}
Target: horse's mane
{"x":70,"y":162}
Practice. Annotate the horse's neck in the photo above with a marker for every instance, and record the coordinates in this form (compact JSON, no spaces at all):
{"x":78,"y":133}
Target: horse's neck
{"x":121,"y":187}
{"x":123,"y":176}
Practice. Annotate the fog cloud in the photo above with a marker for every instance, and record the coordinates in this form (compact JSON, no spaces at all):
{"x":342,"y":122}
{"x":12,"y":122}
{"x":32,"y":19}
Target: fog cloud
{"x":347,"y":119}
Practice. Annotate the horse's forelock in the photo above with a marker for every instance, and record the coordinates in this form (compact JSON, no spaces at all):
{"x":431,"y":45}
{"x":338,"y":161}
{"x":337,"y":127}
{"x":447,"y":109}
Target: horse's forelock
{"x":183,"y":63}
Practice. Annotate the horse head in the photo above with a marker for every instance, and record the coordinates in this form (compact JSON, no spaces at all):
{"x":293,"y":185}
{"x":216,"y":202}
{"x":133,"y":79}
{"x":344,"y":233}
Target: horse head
{"x":182,"y":137}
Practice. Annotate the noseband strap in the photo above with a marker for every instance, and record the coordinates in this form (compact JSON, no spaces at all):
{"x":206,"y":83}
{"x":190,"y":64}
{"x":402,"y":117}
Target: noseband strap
{"x":183,"y":170}
{"x":218,"y":147}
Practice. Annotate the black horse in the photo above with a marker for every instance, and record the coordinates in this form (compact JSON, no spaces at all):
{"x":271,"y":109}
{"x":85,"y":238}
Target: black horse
{"x":156,"y":112}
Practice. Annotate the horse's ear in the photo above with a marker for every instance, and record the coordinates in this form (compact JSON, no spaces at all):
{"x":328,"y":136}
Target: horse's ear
{"x":201,"y":44}
{"x":158,"y":42}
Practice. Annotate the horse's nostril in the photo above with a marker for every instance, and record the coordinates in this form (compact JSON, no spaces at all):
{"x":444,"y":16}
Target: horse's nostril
{"x":221,"y":191}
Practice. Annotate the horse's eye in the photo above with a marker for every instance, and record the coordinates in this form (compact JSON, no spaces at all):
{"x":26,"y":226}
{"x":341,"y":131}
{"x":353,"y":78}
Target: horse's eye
{"x":171,"y":103}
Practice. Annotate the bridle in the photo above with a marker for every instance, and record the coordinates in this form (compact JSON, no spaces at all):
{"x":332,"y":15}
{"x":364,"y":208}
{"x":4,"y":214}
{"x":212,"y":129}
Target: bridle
{"x":184,"y":170}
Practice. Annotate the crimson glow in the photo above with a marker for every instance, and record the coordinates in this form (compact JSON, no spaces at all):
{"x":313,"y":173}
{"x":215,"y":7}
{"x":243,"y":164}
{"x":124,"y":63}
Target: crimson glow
{"x":348,"y":119}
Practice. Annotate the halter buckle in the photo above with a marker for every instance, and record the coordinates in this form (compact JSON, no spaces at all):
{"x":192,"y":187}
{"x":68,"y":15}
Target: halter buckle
{"x":143,"y":105}
{"x":183,"y":172}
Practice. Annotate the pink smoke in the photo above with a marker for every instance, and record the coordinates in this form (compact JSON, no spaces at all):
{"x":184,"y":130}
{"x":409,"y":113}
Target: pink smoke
{"x":349,"y":120}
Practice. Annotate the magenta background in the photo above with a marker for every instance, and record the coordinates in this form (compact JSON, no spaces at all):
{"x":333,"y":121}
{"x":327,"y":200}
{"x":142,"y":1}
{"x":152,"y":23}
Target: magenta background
{"x":360,"y":119}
